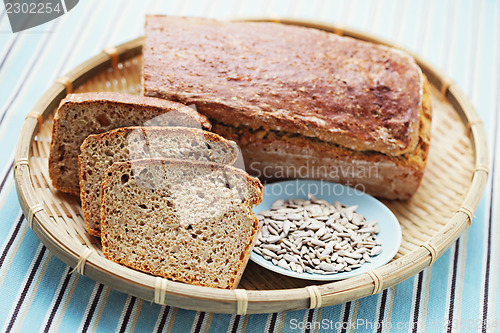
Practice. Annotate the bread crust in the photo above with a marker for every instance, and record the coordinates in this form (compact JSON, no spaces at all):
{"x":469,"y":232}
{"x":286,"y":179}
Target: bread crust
{"x":274,"y":156}
{"x":103,"y":111}
{"x":286,"y":78}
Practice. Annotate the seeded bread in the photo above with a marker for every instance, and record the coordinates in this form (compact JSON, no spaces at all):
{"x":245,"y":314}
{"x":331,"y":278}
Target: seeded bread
{"x":188,"y":221}
{"x":99,"y":151}
{"x":300,"y":102}
{"x":356,"y":94}
{"x":272,"y":155}
{"x":80,"y":115}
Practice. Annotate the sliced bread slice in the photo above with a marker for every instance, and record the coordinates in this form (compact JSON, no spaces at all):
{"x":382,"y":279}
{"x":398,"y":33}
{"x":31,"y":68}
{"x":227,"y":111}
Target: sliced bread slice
{"x":80,"y":115}
{"x":100,"y":151}
{"x":188,"y":221}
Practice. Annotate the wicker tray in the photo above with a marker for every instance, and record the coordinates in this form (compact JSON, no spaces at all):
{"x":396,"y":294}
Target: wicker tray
{"x":431,"y":221}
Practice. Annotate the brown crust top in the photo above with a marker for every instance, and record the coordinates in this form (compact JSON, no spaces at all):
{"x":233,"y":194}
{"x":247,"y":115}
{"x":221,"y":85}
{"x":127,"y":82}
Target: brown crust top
{"x":287,"y":78}
{"x":134,"y":100}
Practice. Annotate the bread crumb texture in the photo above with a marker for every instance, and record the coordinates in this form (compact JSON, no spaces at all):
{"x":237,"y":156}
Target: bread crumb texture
{"x":80,"y":115}
{"x":100,"y":151}
{"x":186,"y":221}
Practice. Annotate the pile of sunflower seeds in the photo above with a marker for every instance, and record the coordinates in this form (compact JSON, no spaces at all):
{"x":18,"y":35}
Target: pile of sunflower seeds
{"x":315,"y":236}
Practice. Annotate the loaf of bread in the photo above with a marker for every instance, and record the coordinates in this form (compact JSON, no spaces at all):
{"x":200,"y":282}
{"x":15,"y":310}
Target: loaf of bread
{"x":300,"y":95}
{"x":271,"y":155}
{"x":188,"y":221}
{"x":80,"y":115}
{"x":100,"y":151}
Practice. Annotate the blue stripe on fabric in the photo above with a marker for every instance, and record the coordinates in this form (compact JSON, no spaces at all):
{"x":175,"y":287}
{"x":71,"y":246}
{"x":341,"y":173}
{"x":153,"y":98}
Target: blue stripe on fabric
{"x":461,"y":52}
{"x":403,"y":297}
{"x":24,"y":297}
{"x":490,"y":239}
{"x":147,"y":318}
{"x":366,"y":318}
{"x":125,"y":28}
{"x":332,"y":314}
{"x":112,"y":310}
{"x":257,"y":322}
{"x":7,"y":43}
{"x":43,"y":297}
{"x":221,"y":322}
{"x":488,"y":69}
{"x":10,"y":209}
{"x":92,"y":36}
{"x":437,"y":28}
{"x":18,"y":59}
{"x":77,"y":304}
{"x":183,"y":320}
{"x":133,"y":28}
{"x":478,"y":231}
{"x":16,"y":272}
{"x":293,"y":320}
{"x":437,"y":291}
{"x":473,"y":271}
{"x":9,"y":123}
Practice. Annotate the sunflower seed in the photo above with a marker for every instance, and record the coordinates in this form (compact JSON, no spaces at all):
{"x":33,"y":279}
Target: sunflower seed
{"x":271,"y":247}
{"x":326,"y":267}
{"x":269,"y":253}
{"x":277,"y":204}
{"x":286,"y":227}
{"x":315,"y":236}
{"x":321,"y":231}
{"x":290,"y":258}
{"x":376,"y":250}
{"x":351,"y":261}
{"x":294,"y":216}
{"x":273,"y":239}
{"x":315,"y":226}
{"x":282,"y":263}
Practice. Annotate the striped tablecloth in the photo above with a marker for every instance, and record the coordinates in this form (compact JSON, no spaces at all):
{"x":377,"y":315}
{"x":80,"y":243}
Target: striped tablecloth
{"x":458,"y":293}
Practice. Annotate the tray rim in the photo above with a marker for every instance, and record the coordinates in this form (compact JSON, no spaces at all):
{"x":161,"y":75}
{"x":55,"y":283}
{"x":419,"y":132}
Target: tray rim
{"x":191,"y":297}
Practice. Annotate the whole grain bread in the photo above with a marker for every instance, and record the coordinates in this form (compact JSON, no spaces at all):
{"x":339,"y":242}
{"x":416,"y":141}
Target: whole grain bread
{"x":286,"y":78}
{"x":188,"y":221}
{"x":80,"y":115}
{"x":271,"y":156}
{"x":100,"y":151}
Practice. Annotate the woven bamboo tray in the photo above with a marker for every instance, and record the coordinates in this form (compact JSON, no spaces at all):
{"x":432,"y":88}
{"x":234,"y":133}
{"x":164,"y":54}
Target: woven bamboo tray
{"x":431,"y":221}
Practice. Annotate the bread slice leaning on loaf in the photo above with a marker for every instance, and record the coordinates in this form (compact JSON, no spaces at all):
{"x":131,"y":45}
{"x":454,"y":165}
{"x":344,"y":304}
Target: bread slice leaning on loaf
{"x":188,"y":221}
{"x":100,"y":151}
{"x":80,"y":115}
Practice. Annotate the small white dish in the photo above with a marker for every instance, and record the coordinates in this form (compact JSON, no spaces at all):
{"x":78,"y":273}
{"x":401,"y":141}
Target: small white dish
{"x":389,"y":234}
